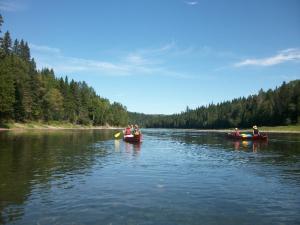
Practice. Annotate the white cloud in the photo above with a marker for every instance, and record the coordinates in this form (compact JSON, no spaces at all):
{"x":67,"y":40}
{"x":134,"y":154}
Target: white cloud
{"x":136,"y":59}
{"x":11,"y":6}
{"x":141,"y":62}
{"x":192,"y":3}
{"x":157,"y":51}
{"x":44,"y":49}
{"x":291,"y":54}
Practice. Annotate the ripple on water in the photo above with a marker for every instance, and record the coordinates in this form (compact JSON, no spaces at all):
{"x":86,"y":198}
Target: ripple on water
{"x":173,"y":177}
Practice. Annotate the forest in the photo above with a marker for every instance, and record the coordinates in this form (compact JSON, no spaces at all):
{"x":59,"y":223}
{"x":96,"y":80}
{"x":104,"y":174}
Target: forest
{"x":28,"y":94}
{"x":280,"y":106}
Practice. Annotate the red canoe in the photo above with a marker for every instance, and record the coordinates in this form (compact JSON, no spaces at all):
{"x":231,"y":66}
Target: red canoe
{"x":248,"y":136}
{"x":133,"y":139}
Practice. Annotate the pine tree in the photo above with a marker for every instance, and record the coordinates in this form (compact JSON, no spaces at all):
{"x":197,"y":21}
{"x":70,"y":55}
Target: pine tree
{"x":7,"y":95}
{"x":36,"y":96}
{"x":6,"y":43}
{"x":26,"y":53}
{"x":16,"y":48}
{"x":1,"y":22}
{"x":1,"y":51}
{"x":27,"y":94}
{"x":53,"y":105}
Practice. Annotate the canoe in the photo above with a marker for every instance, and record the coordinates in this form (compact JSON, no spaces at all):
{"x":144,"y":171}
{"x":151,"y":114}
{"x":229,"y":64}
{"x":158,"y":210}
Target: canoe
{"x":248,"y":136}
{"x":133,"y":139}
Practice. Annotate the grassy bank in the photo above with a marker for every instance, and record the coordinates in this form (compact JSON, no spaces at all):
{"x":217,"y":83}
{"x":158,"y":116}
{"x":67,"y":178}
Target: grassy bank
{"x":66,"y":125}
{"x":276,"y":129}
{"x":287,"y":129}
{"x":50,"y":125}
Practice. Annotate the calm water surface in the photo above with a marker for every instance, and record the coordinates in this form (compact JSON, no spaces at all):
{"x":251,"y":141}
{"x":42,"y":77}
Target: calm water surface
{"x":173,"y":177}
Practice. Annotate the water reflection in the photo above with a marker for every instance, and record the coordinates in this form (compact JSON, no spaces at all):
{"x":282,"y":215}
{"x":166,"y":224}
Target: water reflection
{"x":173,"y":177}
{"x":38,"y":157}
{"x":249,"y":145}
{"x":133,"y":148}
{"x":117,"y":145}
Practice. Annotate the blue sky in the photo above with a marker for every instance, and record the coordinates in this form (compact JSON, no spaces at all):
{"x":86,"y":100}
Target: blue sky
{"x":161,"y":56}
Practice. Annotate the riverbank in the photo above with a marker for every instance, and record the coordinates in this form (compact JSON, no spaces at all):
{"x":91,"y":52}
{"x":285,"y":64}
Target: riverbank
{"x":276,"y":129}
{"x":282,"y":129}
{"x":64,"y":125}
{"x":51,"y":126}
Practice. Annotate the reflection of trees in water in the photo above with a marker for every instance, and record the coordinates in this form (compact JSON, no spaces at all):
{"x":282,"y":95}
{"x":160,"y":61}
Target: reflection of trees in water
{"x":281,"y":150}
{"x":29,"y":158}
{"x":246,"y":145}
{"x":285,"y":144}
{"x":284,"y":148}
{"x":133,"y":148}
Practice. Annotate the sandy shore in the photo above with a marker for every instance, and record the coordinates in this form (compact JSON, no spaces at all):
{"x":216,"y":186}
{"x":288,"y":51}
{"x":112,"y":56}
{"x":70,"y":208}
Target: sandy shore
{"x":30,"y":126}
{"x":19,"y":126}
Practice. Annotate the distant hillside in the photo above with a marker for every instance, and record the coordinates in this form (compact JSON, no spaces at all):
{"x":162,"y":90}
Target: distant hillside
{"x":27,"y":94}
{"x":280,"y":106}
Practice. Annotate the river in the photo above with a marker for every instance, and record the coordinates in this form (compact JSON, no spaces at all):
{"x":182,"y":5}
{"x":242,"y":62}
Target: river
{"x":173,"y":177}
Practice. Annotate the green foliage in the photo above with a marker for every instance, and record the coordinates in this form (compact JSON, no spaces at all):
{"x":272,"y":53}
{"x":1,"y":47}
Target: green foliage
{"x":6,"y":43}
{"x":53,"y":105}
{"x":271,"y":108}
{"x":1,"y":22}
{"x":27,"y":94}
{"x":7,"y":90}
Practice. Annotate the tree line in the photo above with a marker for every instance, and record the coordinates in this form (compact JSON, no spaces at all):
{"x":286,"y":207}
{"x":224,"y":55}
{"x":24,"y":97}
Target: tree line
{"x":29,"y":94}
{"x":280,"y":106}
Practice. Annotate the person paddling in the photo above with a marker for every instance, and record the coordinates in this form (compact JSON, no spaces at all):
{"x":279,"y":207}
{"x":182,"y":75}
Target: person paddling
{"x":236,"y":132}
{"x":136,"y":130}
{"x":127,"y":131}
{"x":255,"y":131}
{"x":132,"y":129}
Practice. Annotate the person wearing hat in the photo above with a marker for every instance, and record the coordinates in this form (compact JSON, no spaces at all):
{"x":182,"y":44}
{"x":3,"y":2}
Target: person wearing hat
{"x":136,"y":130}
{"x":255,"y":130}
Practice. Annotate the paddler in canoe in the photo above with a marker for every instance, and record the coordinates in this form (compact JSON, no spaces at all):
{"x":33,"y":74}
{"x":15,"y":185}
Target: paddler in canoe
{"x":128,"y":131}
{"x":136,"y":130}
{"x":255,"y":131}
{"x":256,"y":135}
{"x":132,"y":136}
{"x":236,"y":132}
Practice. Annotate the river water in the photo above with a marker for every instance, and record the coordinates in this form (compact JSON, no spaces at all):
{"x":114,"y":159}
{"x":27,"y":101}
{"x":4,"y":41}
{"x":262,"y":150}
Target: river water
{"x":173,"y":177}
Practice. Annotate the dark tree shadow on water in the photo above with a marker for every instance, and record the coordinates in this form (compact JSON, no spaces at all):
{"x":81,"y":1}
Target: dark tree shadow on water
{"x":35,"y":158}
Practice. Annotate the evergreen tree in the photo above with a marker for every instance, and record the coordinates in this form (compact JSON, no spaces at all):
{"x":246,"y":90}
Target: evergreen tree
{"x":36,"y":96}
{"x":1,"y":22}
{"x":274,"y":107}
{"x":16,"y":48}
{"x":53,"y":105}
{"x":6,"y":43}
{"x":7,"y":95}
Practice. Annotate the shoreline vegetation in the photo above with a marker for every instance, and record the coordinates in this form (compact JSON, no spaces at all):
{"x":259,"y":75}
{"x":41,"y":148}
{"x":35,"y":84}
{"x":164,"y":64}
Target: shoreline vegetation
{"x":29,"y":94}
{"x":32,"y":98}
{"x":65,"y":126}
{"x":54,"y":125}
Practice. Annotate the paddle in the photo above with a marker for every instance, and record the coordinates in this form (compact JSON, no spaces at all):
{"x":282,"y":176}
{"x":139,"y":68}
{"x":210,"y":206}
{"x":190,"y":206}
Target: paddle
{"x":246,"y":135}
{"x":117,"y":134}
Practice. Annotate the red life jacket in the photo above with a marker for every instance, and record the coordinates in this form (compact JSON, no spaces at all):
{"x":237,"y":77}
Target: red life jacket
{"x":127,"y":131}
